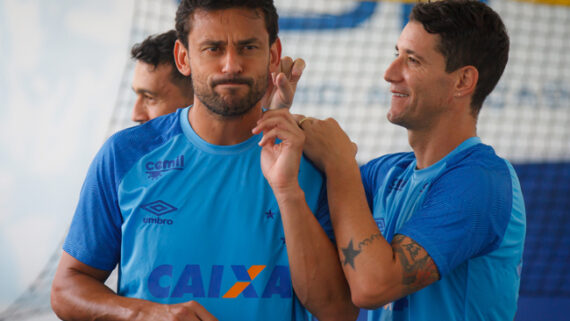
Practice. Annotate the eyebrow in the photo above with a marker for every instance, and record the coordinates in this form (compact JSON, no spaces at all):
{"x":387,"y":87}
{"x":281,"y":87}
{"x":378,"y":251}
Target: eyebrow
{"x":248,"y":41}
{"x":212,"y":43}
{"x":221,"y":43}
{"x":143,"y":91}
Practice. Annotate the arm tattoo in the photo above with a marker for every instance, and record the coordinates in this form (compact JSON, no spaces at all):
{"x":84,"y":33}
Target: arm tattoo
{"x":350,"y":252}
{"x":419,"y":268}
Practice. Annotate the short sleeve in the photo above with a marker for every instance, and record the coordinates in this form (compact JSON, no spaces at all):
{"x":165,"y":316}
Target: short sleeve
{"x":94,"y":237}
{"x":464,"y":214}
{"x":373,"y":173}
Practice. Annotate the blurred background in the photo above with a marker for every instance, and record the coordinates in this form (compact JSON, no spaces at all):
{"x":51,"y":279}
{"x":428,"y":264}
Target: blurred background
{"x":65,"y":86}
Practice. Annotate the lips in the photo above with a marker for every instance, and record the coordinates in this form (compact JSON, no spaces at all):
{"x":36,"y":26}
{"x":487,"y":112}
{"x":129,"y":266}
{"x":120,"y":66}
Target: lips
{"x":230,"y":84}
{"x":232,"y":81}
{"x":398,"y":93}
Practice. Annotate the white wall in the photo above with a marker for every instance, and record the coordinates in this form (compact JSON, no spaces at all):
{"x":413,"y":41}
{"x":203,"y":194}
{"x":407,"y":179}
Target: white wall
{"x":60,"y":67}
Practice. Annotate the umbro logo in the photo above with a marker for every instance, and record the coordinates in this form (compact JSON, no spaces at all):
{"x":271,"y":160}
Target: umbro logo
{"x":158,"y":208}
{"x":156,"y":169}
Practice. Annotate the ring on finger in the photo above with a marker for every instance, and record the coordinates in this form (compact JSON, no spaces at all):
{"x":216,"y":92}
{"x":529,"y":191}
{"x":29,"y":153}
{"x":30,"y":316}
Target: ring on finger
{"x":302,"y":120}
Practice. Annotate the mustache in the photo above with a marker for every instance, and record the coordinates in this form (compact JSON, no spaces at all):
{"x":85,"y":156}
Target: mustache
{"x":232,"y":80}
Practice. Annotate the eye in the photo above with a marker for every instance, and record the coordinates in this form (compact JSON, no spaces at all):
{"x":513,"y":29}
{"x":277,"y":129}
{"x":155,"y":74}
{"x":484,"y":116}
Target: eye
{"x":248,"y":48}
{"x":413,"y":60}
{"x":211,"y":50}
{"x":149,"y":98}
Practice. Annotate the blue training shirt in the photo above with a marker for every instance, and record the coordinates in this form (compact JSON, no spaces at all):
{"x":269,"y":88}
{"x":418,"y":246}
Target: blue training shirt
{"x":188,"y":220}
{"x":467,"y":211}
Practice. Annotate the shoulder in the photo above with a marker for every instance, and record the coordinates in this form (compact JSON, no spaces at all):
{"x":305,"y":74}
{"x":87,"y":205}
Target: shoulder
{"x":477,"y":187}
{"x":153,"y":132}
{"x":385,"y":163}
{"x":124,"y":148}
{"x":481,"y":167}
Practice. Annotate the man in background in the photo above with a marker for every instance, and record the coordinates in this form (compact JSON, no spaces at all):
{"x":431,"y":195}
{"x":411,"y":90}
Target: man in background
{"x":159,"y":86}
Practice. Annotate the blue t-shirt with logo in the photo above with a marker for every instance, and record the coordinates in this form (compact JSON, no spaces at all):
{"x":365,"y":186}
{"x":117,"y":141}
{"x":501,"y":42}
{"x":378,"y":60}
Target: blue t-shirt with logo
{"x":188,"y":220}
{"x":467,"y":212}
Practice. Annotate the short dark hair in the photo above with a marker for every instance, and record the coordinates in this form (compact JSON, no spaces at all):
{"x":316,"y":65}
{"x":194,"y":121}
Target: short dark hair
{"x":186,"y":9}
{"x":159,"y":49}
{"x":471,"y":34}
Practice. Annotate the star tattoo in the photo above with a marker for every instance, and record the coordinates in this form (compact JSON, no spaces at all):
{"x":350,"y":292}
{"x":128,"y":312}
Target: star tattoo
{"x":349,"y":254}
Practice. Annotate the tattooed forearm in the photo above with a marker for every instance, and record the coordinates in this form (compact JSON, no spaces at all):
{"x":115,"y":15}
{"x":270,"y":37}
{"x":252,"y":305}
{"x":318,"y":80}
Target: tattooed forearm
{"x":419,"y":268}
{"x":369,"y":240}
{"x":350,"y":252}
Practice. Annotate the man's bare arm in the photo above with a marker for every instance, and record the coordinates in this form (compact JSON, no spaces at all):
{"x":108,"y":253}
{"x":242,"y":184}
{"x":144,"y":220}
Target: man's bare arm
{"x":79,"y":293}
{"x":377,"y":272}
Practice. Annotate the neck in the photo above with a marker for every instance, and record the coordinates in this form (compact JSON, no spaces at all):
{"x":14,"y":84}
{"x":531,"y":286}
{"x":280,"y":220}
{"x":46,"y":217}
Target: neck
{"x":219,"y":130}
{"x":432,"y":144}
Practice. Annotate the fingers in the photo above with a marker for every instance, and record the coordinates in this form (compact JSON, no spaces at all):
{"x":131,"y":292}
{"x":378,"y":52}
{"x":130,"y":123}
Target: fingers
{"x":297,"y":70}
{"x":201,"y":312}
{"x":283,"y":84}
{"x":190,"y":311}
{"x":297,"y":117}
{"x":309,"y":120}
{"x":285,"y":135}
{"x":286,"y":66}
{"x":355,"y":148}
{"x":277,"y":124}
{"x":292,"y":69}
{"x":285,"y":90}
{"x":270,"y":119}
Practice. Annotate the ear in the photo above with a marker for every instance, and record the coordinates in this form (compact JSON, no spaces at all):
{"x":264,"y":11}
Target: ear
{"x":181,"y":56}
{"x":466,"y":81}
{"x":275,"y":55}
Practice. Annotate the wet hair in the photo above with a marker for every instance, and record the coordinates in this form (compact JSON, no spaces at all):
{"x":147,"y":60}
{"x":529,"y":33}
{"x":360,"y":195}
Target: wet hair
{"x":470,"y":34}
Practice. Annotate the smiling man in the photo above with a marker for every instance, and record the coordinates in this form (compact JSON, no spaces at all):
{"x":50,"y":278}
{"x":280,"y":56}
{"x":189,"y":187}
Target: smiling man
{"x":437,"y":233}
{"x":181,"y":204}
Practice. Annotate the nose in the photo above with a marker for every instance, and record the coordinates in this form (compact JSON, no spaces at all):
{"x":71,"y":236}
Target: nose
{"x":393,"y":74}
{"x":232,"y":63}
{"x":139,"y":113}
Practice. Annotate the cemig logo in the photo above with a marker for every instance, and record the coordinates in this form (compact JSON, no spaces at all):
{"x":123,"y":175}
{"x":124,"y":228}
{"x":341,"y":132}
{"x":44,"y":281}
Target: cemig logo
{"x":162,"y":283}
{"x":156,"y":169}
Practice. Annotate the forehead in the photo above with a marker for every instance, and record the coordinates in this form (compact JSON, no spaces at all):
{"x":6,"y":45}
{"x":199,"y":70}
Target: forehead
{"x":415,"y":38}
{"x":233,"y":23}
{"x":146,"y":75}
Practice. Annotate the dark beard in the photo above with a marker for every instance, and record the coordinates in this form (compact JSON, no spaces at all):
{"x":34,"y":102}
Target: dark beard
{"x":232,"y":107}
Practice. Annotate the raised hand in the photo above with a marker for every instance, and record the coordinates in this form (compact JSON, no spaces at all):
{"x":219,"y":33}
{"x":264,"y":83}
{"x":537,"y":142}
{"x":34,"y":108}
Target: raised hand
{"x":326,"y":144}
{"x":280,"y":161}
{"x":283,"y":84}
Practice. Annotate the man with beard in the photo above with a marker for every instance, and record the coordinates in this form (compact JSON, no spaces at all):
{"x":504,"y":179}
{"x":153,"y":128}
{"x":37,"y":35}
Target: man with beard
{"x":180,"y":203}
